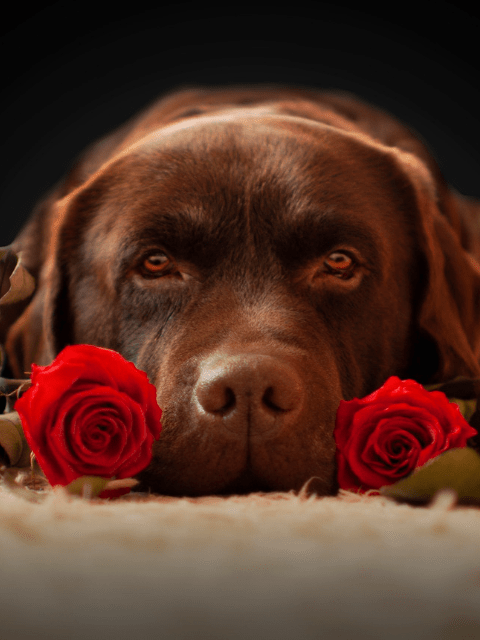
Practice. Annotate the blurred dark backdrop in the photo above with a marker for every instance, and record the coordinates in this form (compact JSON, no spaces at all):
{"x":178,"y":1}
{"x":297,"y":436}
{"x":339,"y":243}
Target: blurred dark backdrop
{"x":73,"y":71}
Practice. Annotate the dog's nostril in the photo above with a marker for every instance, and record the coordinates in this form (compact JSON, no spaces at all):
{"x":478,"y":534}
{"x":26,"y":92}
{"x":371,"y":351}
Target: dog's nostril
{"x":229,"y":401}
{"x":260,"y":387}
{"x":269,"y":401}
{"x":215,"y":396}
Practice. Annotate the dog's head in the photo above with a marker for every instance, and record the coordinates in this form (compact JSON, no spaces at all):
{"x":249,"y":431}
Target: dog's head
{"x":259,"y":266}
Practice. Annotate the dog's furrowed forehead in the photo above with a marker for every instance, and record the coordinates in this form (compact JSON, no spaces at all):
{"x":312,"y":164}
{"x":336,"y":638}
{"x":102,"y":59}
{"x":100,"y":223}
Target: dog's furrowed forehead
{"x":275,"y":166}
{"x":243,"y":156}
{"x":263,"y":180}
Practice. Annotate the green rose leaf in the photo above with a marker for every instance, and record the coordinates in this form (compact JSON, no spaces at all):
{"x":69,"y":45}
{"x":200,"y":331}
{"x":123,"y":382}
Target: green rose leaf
{"x":467,"y":407}
{"x":460,"y":387}
{"x":465,"y":392}
{"x":16,"y":287}
{"x":457,"y":470}
{"x":92,"y":486}
{"x":87,"y":486}
{"x":14,"y":448}
{"x":8,"y":260}
{"x":12,"y":389}
{"x":16,"y":283}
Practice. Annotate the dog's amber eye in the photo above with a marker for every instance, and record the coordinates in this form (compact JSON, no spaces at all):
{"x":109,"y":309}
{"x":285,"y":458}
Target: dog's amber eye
{"x":339,"y":264}
{"x":157,"y":263}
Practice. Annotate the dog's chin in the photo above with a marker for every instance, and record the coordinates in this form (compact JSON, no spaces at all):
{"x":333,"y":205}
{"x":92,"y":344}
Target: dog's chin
{"x":246,"y":482}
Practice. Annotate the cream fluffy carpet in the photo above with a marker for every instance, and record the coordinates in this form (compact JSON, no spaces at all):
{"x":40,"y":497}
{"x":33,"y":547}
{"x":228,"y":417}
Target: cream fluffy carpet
{"x":258,"y":567}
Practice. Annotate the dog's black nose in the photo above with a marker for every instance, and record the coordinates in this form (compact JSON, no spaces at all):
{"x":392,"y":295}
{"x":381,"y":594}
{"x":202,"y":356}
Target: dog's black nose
{"x":249,"y":391}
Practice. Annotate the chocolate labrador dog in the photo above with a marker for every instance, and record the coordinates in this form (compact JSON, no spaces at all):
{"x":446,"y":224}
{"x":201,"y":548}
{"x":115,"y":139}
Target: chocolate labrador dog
{"x":261,"y":253}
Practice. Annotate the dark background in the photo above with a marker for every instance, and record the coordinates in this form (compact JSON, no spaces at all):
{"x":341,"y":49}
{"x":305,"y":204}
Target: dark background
{"x":73,"y":71}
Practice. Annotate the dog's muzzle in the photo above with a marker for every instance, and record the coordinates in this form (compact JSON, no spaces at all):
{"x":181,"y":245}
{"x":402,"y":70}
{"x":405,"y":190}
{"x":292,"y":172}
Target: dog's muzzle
{"x":253,"y":392}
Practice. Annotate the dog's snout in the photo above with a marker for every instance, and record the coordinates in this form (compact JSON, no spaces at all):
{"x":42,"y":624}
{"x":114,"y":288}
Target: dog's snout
{"x":249,"y":390}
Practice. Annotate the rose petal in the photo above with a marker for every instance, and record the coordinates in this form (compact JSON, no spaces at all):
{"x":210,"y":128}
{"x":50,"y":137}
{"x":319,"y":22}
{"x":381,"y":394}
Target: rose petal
{"x":65,"y":432}
{"x":394,"y":453}
{"x":391,"y":431}
{"x":90,"y":412}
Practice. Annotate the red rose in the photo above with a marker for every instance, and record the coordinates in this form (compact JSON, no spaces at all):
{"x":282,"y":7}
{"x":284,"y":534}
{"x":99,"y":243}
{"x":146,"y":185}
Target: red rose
{"x":90,"y":412}
{"x":386,"y":435}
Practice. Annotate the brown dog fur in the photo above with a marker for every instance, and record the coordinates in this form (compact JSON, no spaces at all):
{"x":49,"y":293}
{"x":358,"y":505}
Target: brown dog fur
{"x":250,"y":338}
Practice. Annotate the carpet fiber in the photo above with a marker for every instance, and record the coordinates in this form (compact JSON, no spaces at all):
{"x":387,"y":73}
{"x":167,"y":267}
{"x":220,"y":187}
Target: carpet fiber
{"x":258,"y":567}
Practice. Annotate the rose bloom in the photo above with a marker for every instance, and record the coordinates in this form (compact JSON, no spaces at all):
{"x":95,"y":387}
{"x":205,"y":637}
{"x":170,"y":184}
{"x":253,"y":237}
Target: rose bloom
{"x":90,"y":412}
{"x":386,"y":435}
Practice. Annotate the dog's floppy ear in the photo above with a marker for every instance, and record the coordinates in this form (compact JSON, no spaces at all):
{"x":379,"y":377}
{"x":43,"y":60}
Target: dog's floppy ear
{"x":43,"y":328}
{"x":448,"y":311}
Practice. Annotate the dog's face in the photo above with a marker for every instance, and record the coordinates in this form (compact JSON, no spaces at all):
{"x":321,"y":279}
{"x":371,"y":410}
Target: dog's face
{"x":241,"y":265}
{"x":260,"y":263}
